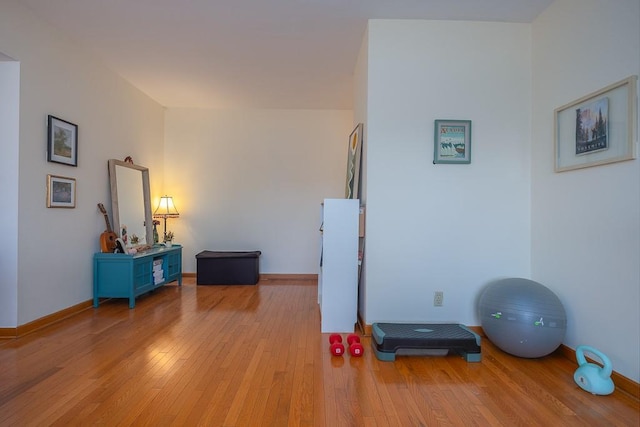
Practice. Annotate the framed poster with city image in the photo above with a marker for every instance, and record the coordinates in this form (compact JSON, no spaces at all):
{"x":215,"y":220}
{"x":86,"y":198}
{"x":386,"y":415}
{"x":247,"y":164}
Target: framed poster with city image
{"x":597,"y":129}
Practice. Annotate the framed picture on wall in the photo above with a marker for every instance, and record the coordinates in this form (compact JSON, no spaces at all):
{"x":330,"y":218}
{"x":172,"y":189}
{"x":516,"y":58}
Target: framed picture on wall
{"x":61,"y":192}
{"x":354,"y":155}
{"x":62,"y":141}
{"x":598,"y":128}
{"x":452,"y":141}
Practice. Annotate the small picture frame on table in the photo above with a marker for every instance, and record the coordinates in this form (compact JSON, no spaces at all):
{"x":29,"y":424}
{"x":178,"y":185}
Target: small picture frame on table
{"x":61,"y":192}
{"x":452,"y":141}
{"x":62,"y":141}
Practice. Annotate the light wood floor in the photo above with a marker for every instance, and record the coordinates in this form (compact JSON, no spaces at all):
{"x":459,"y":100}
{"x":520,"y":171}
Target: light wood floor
{"x":253,"y":355}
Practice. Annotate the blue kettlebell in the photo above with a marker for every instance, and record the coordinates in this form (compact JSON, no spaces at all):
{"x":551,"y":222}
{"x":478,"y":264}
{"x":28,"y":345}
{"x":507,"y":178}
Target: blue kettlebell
{"x":591,"y":377}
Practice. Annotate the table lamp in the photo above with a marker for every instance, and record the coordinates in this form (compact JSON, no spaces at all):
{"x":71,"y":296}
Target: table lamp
{"x":166,"y":209}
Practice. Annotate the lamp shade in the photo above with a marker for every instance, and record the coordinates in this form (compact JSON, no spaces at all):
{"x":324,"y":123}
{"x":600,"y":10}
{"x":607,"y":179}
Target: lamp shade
{"x":166,"y":208}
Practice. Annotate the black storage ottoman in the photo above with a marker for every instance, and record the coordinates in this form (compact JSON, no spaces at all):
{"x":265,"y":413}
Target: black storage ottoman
{"x":227,"y":268}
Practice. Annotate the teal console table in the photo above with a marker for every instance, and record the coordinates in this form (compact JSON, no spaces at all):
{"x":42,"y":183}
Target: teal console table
{"x":128,"y":276}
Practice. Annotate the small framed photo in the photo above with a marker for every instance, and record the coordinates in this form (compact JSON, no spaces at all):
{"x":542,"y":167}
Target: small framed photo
{"x":598,"y":128}
{"x":61,"y":192}
{"x":452,"y":141}
{"x":62,"y":141}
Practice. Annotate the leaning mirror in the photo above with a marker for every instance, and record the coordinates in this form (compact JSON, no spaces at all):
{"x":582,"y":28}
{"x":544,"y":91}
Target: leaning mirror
{"x":131,"y":202}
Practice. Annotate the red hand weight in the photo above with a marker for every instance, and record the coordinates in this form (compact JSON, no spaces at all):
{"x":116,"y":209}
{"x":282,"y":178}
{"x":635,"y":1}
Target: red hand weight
{"x":335,"y":338}
{"x":356,"y":349}
{"x":337,"y":348}
{"x":353,"y":338}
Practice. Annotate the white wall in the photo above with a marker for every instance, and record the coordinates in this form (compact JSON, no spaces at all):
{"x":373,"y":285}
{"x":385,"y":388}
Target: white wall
{"x":9,"y":141}
{"x":586,"y":223}
{"x":57,"y":77}
{"x":254,"y":180}
{"x":445,"y":227}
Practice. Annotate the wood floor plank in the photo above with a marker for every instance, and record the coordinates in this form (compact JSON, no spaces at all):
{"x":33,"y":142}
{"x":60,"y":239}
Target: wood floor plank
{"x":240,"y":401}
{"x":253,"y":355}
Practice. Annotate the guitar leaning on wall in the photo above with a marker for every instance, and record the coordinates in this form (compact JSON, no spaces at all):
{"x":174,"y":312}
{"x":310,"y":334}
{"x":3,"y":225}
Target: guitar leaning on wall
{"x":107,"y":238}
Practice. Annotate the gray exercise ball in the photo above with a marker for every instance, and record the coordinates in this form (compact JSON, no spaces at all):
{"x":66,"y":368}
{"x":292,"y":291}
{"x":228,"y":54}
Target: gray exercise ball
{"x":522,"y":317}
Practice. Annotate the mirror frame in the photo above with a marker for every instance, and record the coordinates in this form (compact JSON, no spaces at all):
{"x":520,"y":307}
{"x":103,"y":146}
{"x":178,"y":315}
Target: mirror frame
{"x":146,"y":195}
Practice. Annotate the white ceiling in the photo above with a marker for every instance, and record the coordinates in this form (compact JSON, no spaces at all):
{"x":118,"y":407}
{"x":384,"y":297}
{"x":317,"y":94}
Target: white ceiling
{"x":248,"y":53}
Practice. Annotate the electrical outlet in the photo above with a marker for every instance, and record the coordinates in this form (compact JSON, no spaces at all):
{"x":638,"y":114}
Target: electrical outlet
{"x":438,"y":299}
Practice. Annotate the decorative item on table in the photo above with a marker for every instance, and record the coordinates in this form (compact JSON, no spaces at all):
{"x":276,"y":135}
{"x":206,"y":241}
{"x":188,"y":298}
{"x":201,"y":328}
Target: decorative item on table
{"x":156,"y":238}
{"x":120,"y":246}
{"x":123,"y":234}
{"x":168,"y":238}
{"x":135,"y":239}
{"x":166,"y":209}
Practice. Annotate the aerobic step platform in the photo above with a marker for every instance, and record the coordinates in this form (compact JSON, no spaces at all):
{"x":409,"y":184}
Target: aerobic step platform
{"x":420,"y":339}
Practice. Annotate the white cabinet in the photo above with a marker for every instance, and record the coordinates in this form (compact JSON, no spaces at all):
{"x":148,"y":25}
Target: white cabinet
{"x":338,"y":277}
